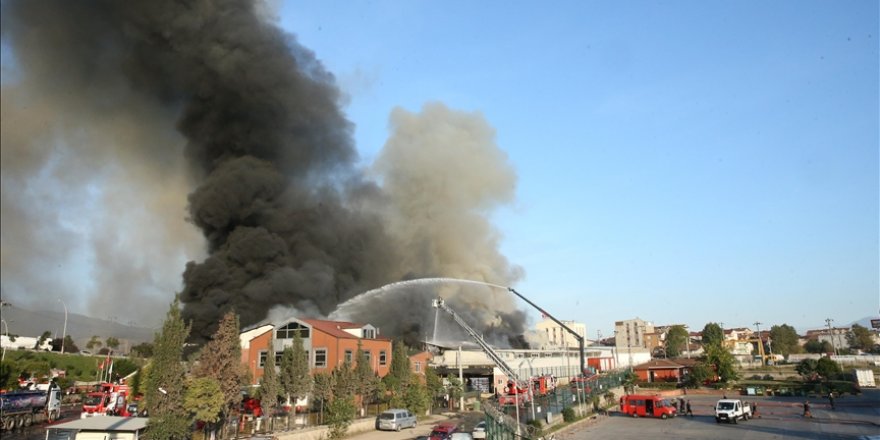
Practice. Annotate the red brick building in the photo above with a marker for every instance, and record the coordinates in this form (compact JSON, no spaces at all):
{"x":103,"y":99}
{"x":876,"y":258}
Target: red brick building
{"x":328,"y":343}
{"x":664,"y":370}
{"x":419,"y":362}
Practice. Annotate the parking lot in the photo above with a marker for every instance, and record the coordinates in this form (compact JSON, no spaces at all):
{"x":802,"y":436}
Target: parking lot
{"x":778,"y":418}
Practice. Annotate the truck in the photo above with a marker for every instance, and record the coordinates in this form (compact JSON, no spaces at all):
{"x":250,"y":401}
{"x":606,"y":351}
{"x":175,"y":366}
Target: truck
{"x":25,"y":407}
{"x":864,"y":378}
{"x":107,"y":399}
{"x":731,"y":411}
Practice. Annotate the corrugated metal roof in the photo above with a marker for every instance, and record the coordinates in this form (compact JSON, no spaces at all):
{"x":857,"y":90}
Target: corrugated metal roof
{"x":105,"y":424}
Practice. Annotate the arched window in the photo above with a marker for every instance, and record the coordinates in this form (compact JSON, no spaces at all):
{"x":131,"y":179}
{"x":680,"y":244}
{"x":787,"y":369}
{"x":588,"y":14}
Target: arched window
{"x":290,"y":329}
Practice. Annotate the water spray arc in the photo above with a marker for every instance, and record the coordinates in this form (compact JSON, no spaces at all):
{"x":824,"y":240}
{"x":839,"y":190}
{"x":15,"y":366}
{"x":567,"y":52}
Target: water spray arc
{"x":367,"y":296}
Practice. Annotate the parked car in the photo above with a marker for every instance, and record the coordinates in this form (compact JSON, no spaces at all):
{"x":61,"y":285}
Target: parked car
{"x":395,"y":420}
{"x":444,"y":431}
{"x":479,"y":430}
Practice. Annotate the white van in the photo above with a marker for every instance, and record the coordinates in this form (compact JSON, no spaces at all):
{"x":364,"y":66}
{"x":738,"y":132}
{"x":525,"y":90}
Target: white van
{"x":395,"y":420}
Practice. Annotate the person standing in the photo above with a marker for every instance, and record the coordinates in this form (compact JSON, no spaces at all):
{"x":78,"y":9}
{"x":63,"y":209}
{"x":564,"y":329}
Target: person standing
{"x":689,"y":412}
{"x":807,"y":412}
{"x":831,"y":400}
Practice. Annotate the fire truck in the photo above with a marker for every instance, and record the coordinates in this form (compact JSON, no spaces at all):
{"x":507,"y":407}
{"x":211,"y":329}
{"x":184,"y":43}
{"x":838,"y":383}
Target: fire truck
{"x":107,"y":399}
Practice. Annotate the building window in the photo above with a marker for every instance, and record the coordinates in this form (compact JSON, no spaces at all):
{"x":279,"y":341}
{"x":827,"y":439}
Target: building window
{"x":290,"y":329}
{"x":418,"y":367}
{"x":320,"y":358}
{"x":348,"y":355}
{"x":262,"y":361}
{"x":369,"y":356}
{"x":369,"y":333}
{"x":383,"y":359}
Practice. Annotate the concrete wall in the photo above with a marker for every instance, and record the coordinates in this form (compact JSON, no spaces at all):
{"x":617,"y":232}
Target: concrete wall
{"x":322,"y":432}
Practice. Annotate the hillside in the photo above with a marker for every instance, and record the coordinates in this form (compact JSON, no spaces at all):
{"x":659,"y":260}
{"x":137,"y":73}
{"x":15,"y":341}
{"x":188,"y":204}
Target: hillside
{"x":24,"y":322}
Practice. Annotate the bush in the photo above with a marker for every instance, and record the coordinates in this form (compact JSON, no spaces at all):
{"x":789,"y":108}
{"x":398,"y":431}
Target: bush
{"x":537,"y":427}
{"x":755,"y":377}
{"x":768,"y":377}
{"x":568,"y":415}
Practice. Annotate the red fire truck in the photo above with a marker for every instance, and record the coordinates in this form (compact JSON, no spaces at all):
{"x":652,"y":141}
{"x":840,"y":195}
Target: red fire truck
{"x":107,"y":399}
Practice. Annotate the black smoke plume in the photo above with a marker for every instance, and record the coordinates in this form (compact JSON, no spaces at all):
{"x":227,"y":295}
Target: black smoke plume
{"x":289,"y":216}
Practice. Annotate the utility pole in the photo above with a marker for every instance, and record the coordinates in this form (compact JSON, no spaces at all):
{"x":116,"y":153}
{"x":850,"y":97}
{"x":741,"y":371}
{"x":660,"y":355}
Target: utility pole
{"x":828,"y":321}
{"x":64,"y":333}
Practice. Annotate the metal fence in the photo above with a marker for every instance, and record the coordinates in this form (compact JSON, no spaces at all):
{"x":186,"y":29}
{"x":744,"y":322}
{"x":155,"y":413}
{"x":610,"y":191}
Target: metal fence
{"x":513,"y":422}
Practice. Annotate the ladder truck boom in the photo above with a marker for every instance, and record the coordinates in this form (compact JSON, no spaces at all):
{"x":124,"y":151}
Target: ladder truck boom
{"x":439,"y":303}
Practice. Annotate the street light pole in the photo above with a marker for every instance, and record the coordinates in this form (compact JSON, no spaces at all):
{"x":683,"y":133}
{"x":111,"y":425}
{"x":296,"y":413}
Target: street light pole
{"x":3,"y":321}
{"x":63,"y":333}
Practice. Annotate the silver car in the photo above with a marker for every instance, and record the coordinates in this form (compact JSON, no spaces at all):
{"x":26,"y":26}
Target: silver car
{"x":395,"y":420}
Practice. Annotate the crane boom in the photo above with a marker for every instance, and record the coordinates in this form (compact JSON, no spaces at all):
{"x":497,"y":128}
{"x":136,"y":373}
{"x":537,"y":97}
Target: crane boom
{"x":439,"y":303}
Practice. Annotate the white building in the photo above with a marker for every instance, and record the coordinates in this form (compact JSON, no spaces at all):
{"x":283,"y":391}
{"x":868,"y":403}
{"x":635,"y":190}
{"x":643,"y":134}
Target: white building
{"x":558,"y":337}
{"x":631,"y":333}
{"x":24,"y":342}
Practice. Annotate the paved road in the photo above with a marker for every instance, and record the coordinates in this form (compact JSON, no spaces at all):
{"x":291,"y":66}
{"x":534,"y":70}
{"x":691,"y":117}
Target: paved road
{"x":778,"y":418}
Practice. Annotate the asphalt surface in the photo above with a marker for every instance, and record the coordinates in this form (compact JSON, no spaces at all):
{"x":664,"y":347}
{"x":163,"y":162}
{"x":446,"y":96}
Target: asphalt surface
{"x":777,"y":418}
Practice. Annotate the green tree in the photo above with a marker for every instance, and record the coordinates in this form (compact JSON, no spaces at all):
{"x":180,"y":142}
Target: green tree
{"x":399,"y":373}
{"x":860,"y":338}
{"x":416,"y":397}
{"x":434,"y":383}
{"x":166,"y":383}
{"x":344,"y":382}
{"x":270,"y":390}
{"x":9,"y":374}
{"x":722,"y":362}
{"x":806,"y":368}
{"x":712,"y":334}
{"x":454,"y":388}
{"x":340,"y":414}
{"x":817,"y":347}
{"x":676,"y":340}
{"x":699,"y":374}
{"x":136,"y":382}
{"x":123,"y":367}
{"x":365,"y":378}
{"x":629,"y":380}
{"x":94,"y":342}
{"x":295,"y":378}
{"x":322,"y":391}
{"x":342,"y":408}
{"x":69,"y":346}
{"x":144,"y":350}
{"x":827,"y":368}
{"x":220,"y":359}
{"x":112,"y":343}
{"x":785,"y":339}
{"x":46,"y":335}
{"x":204,"y":399}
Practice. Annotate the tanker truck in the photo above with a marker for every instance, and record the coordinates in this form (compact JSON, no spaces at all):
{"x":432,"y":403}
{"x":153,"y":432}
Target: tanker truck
{"x":25,"y":407}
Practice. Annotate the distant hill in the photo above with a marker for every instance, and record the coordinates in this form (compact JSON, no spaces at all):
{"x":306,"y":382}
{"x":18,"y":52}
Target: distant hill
{"x":24,"y":322}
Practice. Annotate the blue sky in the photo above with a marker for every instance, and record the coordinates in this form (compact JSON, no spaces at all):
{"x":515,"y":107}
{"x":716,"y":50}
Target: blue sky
{"x":681,"y":162}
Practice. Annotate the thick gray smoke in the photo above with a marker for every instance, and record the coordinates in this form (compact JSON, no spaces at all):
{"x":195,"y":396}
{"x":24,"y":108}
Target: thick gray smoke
{"x":125,"y":90}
